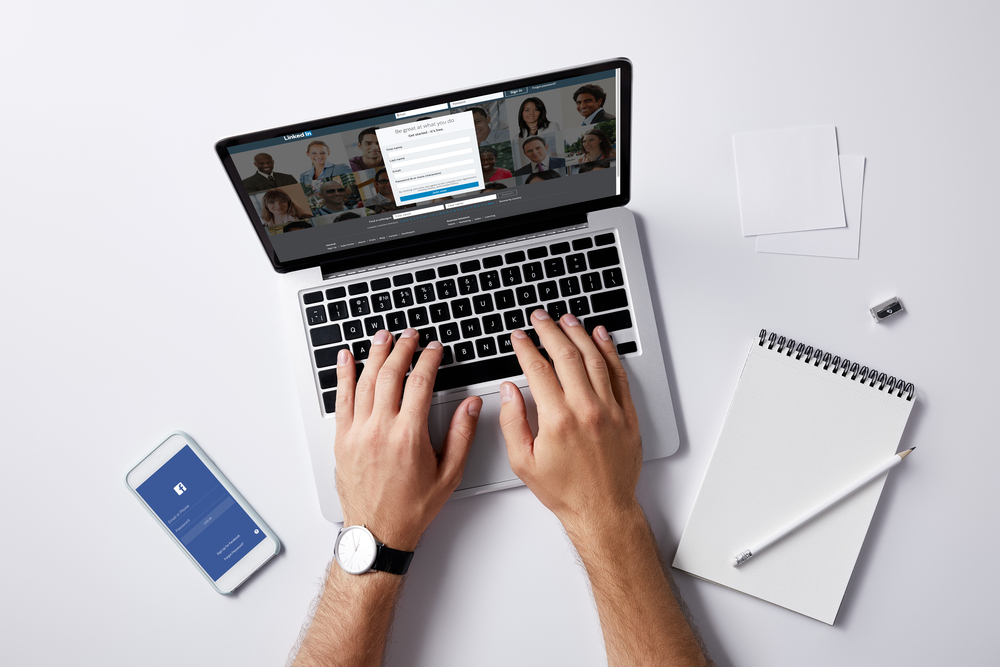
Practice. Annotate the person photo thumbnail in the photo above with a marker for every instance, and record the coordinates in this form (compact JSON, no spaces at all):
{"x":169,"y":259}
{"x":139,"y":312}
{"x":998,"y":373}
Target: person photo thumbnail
{"x":265,"y":178}
{"x":371,"y":153}
{"x":321,"y":169}
{"x":281,"y":206}
{"x":536,"y":149}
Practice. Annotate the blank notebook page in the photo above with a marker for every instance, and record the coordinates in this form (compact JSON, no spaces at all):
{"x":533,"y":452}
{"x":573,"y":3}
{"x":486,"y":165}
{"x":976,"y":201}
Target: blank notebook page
{"x":794,"y":435}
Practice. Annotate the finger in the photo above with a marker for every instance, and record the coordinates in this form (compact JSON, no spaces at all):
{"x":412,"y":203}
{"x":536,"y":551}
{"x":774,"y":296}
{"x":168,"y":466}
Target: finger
{"x":392,"y":374}
{"x":365,"y":394}
{"x":565,"y":356}
{"x":345,"y":390}
{"x":616,"y":372}
{"x":593,"y":359}
{"x":420,"y":384}
{"x":516,"y":431}
{"x":541,"y":378}
{"x":458,"y":440}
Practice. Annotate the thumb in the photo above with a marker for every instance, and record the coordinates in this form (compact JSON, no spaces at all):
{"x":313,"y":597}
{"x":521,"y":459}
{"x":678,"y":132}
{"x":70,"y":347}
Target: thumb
{"x":458,"y":440}
{"x":516,"y":431}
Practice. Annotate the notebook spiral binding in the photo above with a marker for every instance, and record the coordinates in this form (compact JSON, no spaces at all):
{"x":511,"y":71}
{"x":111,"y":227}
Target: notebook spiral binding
{"x":836,"y":365}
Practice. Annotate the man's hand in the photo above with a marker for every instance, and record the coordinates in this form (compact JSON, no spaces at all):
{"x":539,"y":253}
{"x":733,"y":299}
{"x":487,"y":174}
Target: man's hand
{"x":388,"y":475}
{"x":584,"y":464}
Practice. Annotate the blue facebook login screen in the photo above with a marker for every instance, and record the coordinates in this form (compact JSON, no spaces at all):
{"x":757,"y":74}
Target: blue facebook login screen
{"x":201,"y":513}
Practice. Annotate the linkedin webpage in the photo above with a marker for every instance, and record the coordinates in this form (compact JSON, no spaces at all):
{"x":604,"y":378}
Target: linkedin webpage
{"x":423,"y":170}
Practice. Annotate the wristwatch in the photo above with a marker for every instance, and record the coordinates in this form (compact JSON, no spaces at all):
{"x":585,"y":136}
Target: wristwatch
{"x":357,"y":551}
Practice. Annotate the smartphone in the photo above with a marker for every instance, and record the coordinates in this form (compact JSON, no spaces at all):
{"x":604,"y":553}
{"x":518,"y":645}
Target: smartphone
{"x":202,"y":512}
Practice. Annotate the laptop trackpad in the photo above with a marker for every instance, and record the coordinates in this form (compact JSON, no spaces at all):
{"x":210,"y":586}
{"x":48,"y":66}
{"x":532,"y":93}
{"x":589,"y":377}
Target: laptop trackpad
{"x":487,"y":462}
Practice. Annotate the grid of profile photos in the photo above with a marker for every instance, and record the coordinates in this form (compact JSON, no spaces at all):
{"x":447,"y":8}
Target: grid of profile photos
{"x":543,"y":135}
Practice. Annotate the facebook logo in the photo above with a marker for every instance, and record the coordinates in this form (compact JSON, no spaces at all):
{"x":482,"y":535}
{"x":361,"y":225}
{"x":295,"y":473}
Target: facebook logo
{"x":180,"y":488}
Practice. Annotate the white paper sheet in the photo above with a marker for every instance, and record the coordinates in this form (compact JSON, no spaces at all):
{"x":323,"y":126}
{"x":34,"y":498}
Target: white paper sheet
{"x":843,"y":242}
{"x":789,"y":180}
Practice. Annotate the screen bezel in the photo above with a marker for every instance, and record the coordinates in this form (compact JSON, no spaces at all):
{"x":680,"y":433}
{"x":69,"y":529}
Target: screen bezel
{"x":253,"y":559}
{"x":389,"y":251}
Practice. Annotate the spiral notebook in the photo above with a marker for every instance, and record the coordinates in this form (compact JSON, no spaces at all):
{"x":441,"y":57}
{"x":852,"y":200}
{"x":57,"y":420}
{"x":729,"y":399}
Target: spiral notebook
{"x":802,"y":425}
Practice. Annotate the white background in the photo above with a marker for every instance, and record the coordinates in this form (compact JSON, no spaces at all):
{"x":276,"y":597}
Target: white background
{"x":136,"y":300}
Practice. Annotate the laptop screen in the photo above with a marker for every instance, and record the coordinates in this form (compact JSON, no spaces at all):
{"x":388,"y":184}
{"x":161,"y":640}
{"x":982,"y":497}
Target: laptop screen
{"x":443,"y":168}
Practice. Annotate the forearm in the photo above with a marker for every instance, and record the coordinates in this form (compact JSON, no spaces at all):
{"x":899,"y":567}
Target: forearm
{"x":352,"y":620}
{"x":641,"y":618}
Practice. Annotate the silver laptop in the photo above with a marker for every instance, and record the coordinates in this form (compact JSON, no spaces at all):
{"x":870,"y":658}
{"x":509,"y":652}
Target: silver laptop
{"x":457,"y":215}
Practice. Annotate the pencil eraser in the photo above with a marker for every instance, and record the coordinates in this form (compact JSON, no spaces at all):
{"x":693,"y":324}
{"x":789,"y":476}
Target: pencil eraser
{"x":886,"y":309}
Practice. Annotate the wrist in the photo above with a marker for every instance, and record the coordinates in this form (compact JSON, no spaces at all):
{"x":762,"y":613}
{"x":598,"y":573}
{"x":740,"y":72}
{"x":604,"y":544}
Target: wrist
{"x":401,"y":538}
{"x":588,"y":529}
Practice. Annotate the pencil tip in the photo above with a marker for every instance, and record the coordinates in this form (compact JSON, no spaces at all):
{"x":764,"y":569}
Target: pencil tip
{"x":903,"y":455}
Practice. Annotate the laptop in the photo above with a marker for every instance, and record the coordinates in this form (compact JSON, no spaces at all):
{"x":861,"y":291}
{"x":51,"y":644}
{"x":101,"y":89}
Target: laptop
{"x":457,"y":215}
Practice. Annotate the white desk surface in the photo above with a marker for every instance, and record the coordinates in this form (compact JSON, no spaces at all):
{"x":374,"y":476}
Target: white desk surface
{"x":136,"y":301}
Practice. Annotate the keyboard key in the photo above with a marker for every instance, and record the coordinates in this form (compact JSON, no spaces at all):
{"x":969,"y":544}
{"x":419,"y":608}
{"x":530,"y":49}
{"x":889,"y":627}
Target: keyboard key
{"x":446,"y":289}
{"x":330,"y":401}
{"x":327,"y":356}
{"x":463,"y":352}
{"x":448,"y":270}
{"x":511,"y":275}
{"x":613,"y":277}
{"x":515,"y":257}
{"x":504,"y":344}
{"x":373,"y":325}
{"x":627,"y":347}
{"x":470,"y":328}
{"x":461,"y":308}
{"x":513,"y":319}
{"x":559,"y":248}
{"x":492,"y":261}
{"x":621,"y":319}
{"x":591,"y":281}
{"x":533,"y":335}
{"x":358,"y":288}
{"x":338,"y":310}
{"x":426,"y":336}
{"x":336,"y":293}
{"x":604,"y":239}
{"x":440,"y":312}
{"x":579,"y":306}
{"x":504,"y":299}
{"x":325,"y":335}
{"x":361,"y":349}
{"x":486,"y":347}
{"x":424,"y":293}
{"x":359,"y":306}
{"x":470,"y":266}
{"x":554,"y":267}
{"x":493,"y":323}
{"x":395,"y":321}
{"x":582,"y":244}
{"x":613,"y":300}
{"x":557,"y":309}
{"x":489,"y":280}
{"x":353,"y":329}
{"x":569,"y":286}
{"x":402,"y":297}
{"x":468,"y":285}
{"x":315,"y":315}
{"x":547,"y":290}
{"x":533,"y":272}
{"x":598,"y":259}
{"x":381,"y":302}
{"x":447,"y":357}
{"x":328,"y":378}
{"x":381,"y":283}
{"x":576,"y":263}
{"x":449,"y":332}
{"x":425,"y":274}
{"x":312,"y":297}
{"x":487,"y":370}
{"x":417,"y":317}
{"x":526,"y":295}
{"x":538,"y":253}
{"x":482,"y":304}
{"x":402,"y":279}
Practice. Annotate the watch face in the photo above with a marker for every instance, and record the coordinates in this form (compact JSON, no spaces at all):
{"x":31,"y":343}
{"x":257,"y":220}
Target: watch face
{"x":356,"y":550}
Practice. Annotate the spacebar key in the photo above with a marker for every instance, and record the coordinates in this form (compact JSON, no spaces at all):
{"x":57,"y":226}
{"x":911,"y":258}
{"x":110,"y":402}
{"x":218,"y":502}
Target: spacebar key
{"x":479,"y":371}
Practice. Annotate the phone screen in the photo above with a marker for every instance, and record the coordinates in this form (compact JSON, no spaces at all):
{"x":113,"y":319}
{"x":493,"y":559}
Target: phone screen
{"x":196,"y":507}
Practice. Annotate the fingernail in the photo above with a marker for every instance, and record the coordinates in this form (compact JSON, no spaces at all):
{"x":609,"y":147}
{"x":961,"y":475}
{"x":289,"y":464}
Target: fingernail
{"x":602,"y":333}
{"x":506,"y":393}
{"x":433,"y":345}
{"x":342,"y":358}
{"x":381,"y":338}
{"x":519,"y":334}
{"x":541,"y":315}
{"x":409,"y":333}
{"x":570,"y":320}
{"x":476,"y":406}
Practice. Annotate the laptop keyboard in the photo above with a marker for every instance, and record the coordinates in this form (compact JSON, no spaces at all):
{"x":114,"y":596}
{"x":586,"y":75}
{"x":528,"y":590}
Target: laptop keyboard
{"x":471,"y":307}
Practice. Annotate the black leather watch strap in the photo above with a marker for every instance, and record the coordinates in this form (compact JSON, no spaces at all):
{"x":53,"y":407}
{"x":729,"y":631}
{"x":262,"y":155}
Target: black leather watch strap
{"x":392,"y":561}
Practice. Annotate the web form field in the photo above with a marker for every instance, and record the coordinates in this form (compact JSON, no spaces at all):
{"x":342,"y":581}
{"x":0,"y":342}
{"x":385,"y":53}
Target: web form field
{"x":432,"y":158}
